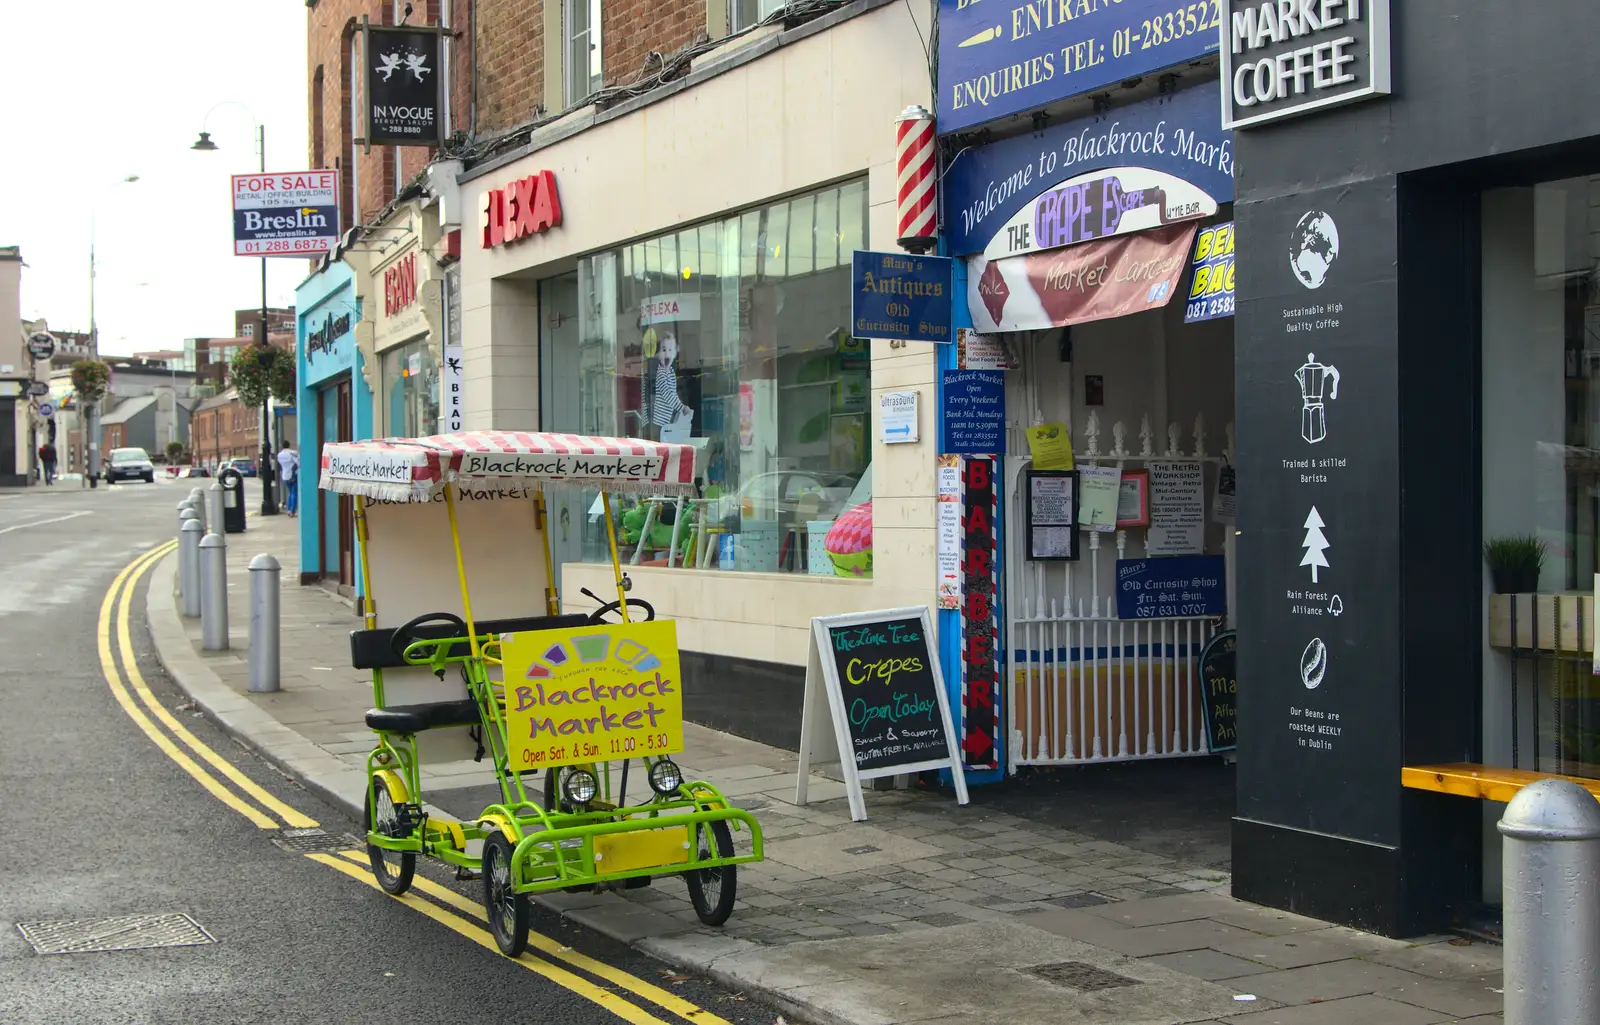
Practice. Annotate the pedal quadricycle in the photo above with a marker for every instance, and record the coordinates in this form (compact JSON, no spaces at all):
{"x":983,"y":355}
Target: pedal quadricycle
{"x":582,"y":706}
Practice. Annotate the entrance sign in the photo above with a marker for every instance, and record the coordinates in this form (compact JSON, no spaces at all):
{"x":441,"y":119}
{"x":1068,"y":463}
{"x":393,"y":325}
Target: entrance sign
{"x":1174,"y":588}
{"x":1219,"y":687}
{"x":894,"y":295}
{"x":995,"y":63}
{"x":1178,"y":135}
{"x":593,"y":693}
{"x":876,"y":675}
{"x":1282,"y":60}
{"x":405,"y":88}
{"x":294,"y":214}
{"x":1211,"y":283}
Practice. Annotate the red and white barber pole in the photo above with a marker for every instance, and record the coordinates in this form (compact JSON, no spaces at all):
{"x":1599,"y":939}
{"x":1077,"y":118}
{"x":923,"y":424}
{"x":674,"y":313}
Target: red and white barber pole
{"x":917,"y":167}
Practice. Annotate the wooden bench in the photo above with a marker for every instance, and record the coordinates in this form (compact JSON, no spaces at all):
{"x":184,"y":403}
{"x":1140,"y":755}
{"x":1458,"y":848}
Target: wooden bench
{"x":1486,"y":782}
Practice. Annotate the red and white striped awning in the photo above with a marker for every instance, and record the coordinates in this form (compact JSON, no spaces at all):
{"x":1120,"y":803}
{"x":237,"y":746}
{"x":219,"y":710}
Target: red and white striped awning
{"x":416,"y":469}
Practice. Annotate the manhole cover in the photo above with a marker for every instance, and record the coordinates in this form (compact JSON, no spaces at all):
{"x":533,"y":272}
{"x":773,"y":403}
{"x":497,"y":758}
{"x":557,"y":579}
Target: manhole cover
{"x":1085,"y":978}
{"x":315,"y":841}
{"x":865,"y":848}
{"x":129,"y":932}
{"x":1079,"y":900}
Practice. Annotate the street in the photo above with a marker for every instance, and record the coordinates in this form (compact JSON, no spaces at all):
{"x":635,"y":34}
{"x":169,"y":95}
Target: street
{"x":123,"y":801}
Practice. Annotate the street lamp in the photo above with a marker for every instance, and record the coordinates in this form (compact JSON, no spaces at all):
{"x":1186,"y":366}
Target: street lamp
{"x":269,"y":499}
{"x":92,"y":427}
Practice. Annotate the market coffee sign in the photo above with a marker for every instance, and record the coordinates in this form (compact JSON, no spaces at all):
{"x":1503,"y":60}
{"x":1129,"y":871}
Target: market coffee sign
{"x":404,"y":89}
{"x":527,"y":206}
{"x":1283,"y":58}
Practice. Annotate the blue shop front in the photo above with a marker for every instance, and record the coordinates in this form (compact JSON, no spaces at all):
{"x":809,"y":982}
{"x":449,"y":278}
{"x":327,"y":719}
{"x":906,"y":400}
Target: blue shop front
{"x":1086,"y":199}
{"x":334,"y":404}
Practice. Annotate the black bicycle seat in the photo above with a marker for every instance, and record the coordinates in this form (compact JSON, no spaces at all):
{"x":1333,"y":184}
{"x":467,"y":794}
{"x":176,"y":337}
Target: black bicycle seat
{"x":416,"y":718}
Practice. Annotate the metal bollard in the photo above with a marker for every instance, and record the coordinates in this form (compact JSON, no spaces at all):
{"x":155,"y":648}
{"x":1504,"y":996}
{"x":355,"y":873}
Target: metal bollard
{"x":1552,"y":921}
{"x":189,"y":565}
{"x":264,"y":624}
{"x":194,"y":506}
{"x":213,"y":593}
{"x":213,"y":500}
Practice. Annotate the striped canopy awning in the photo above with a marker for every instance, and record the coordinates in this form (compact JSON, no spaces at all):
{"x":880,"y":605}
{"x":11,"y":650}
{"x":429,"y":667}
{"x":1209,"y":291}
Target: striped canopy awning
{"x":416,"y":469}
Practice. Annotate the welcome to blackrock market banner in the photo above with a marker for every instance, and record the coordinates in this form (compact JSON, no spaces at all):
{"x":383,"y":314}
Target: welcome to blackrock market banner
{"x":1179,"y":136}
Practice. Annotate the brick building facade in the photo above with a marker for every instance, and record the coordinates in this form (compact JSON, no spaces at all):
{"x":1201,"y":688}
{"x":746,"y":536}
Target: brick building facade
{"x":221,"y":428}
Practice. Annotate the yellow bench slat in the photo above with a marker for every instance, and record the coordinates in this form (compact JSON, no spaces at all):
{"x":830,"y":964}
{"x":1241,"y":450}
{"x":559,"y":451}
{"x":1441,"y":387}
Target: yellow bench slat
{"x":1486,"y":782}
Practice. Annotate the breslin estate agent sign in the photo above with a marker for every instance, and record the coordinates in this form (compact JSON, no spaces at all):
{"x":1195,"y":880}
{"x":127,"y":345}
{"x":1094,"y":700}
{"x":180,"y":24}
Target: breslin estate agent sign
{"x":404,"y":90}
{"x":1282,"y":58}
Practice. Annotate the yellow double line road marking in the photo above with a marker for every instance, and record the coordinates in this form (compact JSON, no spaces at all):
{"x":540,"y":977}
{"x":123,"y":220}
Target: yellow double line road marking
{"x":127,"y":681}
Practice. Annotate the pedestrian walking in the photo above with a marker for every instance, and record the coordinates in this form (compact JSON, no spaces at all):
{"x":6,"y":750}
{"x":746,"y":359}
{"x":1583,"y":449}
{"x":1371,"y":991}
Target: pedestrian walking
{"x":289,"y":470}
{"x":47,"y":459}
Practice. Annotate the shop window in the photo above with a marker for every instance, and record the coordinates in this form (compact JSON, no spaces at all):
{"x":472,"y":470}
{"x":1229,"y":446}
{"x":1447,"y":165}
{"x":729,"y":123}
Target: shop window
{"x":745,"y":13}
{"x":411,"y":391}
{"x":1541,"y":471}
{"x":732,"y":336}
{"x":580,"y":21}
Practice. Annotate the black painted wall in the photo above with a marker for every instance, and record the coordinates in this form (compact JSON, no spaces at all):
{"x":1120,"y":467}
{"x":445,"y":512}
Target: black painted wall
{"x":1484,"y":95}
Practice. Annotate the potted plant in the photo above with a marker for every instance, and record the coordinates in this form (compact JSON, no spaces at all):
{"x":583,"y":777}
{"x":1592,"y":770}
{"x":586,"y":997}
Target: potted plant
{"x":1514,"y":563}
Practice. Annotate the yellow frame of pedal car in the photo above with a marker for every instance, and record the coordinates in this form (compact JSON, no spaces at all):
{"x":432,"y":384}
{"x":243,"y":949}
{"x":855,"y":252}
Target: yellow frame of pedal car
{"x":555,"y":845}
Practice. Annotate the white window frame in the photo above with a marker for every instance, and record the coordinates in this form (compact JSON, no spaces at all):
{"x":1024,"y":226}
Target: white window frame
{"x":588,"y":37}
{"x":764,"y":9}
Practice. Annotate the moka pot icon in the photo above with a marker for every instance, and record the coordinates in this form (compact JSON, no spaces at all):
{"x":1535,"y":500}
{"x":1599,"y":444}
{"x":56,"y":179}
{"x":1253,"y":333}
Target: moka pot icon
{"x":1315,"y":378}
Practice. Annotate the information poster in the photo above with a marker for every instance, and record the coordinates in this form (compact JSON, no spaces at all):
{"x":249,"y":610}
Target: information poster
{"x":980,"y":352}
{"x":1099,"y":491}
{"x":948,"y":525}
{"x":592,"y":694}
{"x":974,"y":413}
{"x":1052,"y":515}
{"x":1177,"y":508}
{"x":1050,"y":445}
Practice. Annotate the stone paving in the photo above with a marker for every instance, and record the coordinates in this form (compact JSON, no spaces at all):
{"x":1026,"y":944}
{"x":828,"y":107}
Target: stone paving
{"x":834,"y":892}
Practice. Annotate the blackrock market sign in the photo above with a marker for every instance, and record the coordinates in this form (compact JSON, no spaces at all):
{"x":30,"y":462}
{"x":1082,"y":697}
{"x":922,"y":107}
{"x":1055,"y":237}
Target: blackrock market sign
{"x":1283,"y":58}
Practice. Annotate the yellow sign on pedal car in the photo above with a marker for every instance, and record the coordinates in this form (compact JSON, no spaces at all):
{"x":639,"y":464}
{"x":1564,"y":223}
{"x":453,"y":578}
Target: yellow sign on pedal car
{"x":594,"y":693}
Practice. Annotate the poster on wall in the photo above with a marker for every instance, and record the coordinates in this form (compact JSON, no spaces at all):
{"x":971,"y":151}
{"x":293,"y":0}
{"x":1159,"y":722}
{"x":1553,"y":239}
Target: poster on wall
{"x":980,"y":619}
{"x":404,"y":88}
{"x":947,"y":523}
{"x":1177,"y":508}
{"x":1211,"y":277}
{"x":1052,"y":515}
{"x":980,"y":352}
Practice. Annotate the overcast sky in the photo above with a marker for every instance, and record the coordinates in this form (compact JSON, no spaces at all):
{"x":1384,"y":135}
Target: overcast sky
{"x":94,"y":91}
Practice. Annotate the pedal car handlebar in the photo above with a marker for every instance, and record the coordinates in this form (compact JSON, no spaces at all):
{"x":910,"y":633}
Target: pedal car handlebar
{"x":405,"y":635}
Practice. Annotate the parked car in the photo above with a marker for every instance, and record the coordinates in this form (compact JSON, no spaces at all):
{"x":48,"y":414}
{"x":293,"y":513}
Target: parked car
{"x":246,"y":467}
{"x":194,"y":471}
{"x":129,"y":464}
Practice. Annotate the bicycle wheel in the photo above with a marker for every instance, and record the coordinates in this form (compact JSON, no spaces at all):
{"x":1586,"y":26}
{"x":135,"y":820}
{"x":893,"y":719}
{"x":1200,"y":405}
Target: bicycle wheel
{"x":507,"y":910}
{"x":392,"y":869}
{"x":712,"y":890}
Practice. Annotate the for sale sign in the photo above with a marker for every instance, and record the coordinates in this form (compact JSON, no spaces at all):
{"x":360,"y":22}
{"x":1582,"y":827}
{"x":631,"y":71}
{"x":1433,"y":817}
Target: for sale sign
{"x":289,"y":214}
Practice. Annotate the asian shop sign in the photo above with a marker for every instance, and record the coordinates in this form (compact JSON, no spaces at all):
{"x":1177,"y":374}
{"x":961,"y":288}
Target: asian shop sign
{"x":1283,"y":59}
{"x":527,"y":206}
{"x":1004,"y":57}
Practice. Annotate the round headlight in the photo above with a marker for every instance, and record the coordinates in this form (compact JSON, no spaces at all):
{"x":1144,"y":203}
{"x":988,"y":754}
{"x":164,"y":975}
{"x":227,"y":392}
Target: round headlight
{"x":665,"y":776}
{"x":580,"y":786}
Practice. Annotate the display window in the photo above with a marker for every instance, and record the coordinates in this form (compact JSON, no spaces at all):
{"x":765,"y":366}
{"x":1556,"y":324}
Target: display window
{"x":410,"y":390}
{"x":732,"y":336}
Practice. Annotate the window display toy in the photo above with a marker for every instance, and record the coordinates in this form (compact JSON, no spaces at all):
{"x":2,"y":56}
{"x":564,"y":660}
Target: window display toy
{"x":574,"y":697}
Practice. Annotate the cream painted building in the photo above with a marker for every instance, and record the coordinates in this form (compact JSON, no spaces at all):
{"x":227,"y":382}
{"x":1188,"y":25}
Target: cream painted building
{"x":679,"y":269}
{"x":15,"y":371}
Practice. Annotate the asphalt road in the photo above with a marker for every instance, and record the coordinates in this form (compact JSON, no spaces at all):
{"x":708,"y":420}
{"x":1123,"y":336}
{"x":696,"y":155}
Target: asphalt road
{"x":101,"y":822}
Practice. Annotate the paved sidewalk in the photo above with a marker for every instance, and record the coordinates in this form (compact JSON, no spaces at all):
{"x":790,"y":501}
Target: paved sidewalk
{"x":927,"y":912}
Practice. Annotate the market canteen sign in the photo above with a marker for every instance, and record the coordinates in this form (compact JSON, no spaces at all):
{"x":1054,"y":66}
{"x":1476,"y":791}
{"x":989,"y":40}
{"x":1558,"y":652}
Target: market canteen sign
{"x":997,"y":59}
{"x":1177,"y":138}
{"x":1283,"y":58}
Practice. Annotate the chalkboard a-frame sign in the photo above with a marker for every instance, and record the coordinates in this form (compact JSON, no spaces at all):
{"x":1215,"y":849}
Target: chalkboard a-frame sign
{"x":1219,"y":675}
{"x":875,"y":702}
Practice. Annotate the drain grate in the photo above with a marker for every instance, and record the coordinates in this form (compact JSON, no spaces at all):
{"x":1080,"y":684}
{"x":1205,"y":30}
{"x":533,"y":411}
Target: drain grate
{"x":865,"y":848}
{"x":129,"y":932}
{"x":1085,"y":978}
{"x":315,"y":841}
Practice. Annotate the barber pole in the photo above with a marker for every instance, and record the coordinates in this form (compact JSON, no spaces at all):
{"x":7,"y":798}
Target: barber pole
{"x":918,"y":174}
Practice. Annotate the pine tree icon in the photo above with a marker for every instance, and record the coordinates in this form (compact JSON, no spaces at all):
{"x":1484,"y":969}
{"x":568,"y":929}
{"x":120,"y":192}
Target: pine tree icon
{"x":1315,"y":544}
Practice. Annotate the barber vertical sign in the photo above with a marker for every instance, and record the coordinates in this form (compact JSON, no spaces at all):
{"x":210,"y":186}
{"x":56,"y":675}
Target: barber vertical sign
{"x":404,"y":86}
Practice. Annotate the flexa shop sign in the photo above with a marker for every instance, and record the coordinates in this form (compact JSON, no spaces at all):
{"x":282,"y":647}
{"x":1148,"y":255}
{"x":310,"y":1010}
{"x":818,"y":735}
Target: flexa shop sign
{"x":1003,"y":57}
{"x":1161,"y":160}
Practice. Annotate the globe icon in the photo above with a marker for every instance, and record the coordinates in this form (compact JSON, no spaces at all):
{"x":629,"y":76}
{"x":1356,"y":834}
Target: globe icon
{"x":1313,"y":248}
